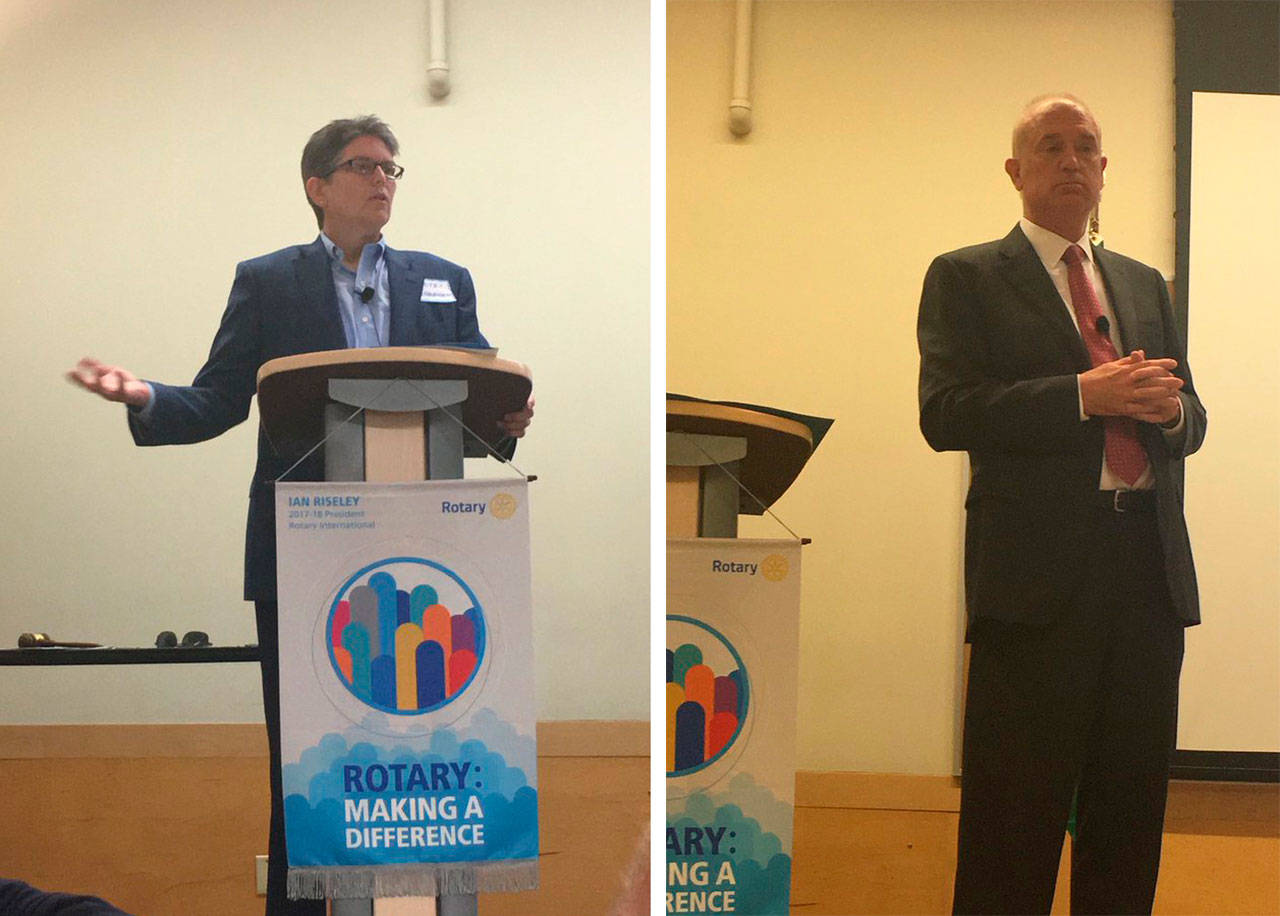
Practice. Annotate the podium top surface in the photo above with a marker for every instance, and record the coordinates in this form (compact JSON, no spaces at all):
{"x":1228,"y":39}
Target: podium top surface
{"x":293,"y":390}
{"x":777,"y":447}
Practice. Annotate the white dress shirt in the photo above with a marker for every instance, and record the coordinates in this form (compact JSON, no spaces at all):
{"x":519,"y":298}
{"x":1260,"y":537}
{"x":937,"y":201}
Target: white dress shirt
{"x":1050,"y":247}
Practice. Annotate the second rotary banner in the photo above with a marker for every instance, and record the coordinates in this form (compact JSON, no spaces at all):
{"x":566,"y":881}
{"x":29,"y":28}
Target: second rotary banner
{"x":732,"y":649}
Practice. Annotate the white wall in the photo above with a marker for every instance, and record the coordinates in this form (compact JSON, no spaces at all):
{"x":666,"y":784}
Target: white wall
{"x":1230,"y":696}
{"x":150,"y":145}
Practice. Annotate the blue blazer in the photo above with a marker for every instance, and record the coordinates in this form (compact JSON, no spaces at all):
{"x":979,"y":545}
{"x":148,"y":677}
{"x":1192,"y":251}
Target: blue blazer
{"x":282,"y":304}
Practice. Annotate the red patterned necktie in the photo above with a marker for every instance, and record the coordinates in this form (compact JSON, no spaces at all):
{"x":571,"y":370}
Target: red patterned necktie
{"x":1125,"y":455}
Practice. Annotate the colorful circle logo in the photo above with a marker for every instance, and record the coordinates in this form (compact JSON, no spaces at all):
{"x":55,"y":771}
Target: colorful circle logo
{"x":707,"y":695}
{"x":406,"y":635}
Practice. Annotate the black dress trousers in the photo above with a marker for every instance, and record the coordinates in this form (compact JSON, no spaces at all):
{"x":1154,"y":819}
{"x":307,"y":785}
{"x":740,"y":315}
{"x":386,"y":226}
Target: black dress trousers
{"x":1084,"y":705}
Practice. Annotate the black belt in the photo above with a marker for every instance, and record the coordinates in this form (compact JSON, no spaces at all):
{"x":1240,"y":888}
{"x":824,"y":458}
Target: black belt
{"x":1127,"y":500}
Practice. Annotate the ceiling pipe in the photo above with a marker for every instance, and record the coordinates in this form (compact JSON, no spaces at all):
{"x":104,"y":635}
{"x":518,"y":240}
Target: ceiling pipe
{"x":740,"y":103}
{"x":438,"y":66}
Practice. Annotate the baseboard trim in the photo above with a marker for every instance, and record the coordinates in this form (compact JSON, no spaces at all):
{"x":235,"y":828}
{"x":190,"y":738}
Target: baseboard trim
{"x":882,"y":791}
{"x":560,"y":738}
{"x":214,"y":739}
{"x":1226,"y":766}
{"x":593,"y":738}
{"x":1195,"y":805}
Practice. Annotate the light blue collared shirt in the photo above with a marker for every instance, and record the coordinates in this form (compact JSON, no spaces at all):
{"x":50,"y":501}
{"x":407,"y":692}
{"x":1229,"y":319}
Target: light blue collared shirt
{"x":366,"y":324}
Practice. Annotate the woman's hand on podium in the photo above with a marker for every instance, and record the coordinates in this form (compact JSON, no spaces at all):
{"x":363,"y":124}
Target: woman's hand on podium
{"x":118,"y":384}
{"x":514,"y":424}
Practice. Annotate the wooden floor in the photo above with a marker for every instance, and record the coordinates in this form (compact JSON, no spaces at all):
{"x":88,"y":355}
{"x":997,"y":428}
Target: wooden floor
{"x":177,"y":835}
{"x":1221,"y":856}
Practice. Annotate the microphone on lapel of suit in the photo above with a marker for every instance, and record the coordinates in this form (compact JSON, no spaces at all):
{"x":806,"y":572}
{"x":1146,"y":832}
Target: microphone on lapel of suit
{"x":366,"y":294}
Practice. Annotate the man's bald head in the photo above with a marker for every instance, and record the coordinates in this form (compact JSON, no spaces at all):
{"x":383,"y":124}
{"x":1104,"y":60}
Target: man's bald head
{"x":1057,"y":163}
{"x":1024,"y":130}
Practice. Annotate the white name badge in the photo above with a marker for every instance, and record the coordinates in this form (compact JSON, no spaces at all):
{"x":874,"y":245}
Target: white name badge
{"x":437,"y":291}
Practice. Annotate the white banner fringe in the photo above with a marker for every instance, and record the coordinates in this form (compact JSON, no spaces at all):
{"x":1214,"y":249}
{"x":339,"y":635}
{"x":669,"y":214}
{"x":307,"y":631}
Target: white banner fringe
{"x":362,"y":882}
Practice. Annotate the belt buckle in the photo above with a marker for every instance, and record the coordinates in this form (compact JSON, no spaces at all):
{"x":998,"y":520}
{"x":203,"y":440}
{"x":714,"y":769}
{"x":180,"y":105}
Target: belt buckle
{"x":1117,"y":502}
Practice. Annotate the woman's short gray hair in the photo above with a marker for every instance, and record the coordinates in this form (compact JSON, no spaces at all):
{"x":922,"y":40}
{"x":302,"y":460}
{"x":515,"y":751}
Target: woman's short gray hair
{"x":320,"y":155}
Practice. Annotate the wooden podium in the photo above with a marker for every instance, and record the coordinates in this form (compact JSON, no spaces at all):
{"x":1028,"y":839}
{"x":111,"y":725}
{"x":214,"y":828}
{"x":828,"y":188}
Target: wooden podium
{"x":392,"y":414}
{"x":402,"y":433}
{"x":706,"y":443}
{"x":728,"y":635}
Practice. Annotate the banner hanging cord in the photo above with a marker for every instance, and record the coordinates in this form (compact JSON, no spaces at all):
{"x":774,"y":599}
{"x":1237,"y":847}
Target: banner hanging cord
{"x":308,"y":453}
{"x":436,"y":404}
{"x":743,"y":487}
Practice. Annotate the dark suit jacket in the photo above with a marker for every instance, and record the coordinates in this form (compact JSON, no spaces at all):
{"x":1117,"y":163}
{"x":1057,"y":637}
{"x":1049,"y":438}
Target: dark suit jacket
{"x":999,"y":355}
{"x":282,"y":304}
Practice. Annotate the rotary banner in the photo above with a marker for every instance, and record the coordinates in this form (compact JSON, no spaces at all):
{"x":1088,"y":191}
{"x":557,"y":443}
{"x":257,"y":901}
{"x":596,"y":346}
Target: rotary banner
{"x":406,"y":688}
{"x":733,"y":609}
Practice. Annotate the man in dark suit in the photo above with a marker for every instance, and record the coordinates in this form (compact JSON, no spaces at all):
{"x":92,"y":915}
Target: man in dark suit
{"x":345,"y":289}
{"x":1078,"y":571}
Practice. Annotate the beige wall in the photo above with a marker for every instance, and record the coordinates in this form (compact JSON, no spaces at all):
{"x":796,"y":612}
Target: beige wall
{"x":794,"y":265}
{"x":149,"y":146}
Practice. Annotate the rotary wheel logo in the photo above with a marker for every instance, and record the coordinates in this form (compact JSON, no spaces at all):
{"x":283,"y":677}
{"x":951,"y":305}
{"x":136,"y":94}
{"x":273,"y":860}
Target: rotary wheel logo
{"x":503,"y":505}
{"x":707,"y":695}
{"x":775,"y":567}
{"x":406,"y":635}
